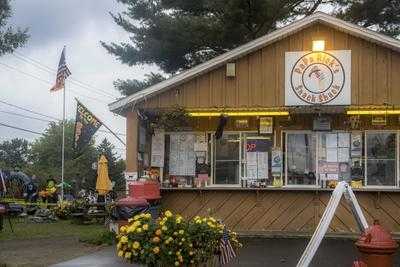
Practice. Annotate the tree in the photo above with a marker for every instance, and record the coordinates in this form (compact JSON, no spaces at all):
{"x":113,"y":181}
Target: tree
{"x":128,"y":87}
{"x":14,"y":153}
{"x":179,"y":34}
{"x":46,"y":156}
{"x":116,"y":166}
{"x":381,"y":15}
{"x":10,"y":38}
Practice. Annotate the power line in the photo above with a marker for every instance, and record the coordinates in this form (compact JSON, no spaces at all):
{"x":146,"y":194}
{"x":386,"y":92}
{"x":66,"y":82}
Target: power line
{"x":54,"y":119}
{"x":28,"y":110}
{"x":47,"y":82}
{"x":20,"y":129}
{"x":43,"y":67}
{"x":24,"y":116}
{"x":33,"y":132}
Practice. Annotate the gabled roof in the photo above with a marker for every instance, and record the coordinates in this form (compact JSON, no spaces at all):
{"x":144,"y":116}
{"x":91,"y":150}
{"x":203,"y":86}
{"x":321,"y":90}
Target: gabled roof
{"x":318,"y":17}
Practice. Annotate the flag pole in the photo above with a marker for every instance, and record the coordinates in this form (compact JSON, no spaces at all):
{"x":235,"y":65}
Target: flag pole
{"x":63,"y":147}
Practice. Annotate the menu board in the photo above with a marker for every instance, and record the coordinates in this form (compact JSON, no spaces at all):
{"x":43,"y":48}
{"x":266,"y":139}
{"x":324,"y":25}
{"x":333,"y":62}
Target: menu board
{"x":157,"y":149}
{"x":257,"y":159}
{"x":182,"y":160}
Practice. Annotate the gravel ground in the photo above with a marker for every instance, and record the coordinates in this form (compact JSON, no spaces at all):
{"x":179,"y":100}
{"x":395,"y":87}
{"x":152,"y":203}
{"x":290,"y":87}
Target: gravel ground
{"x":42,"y":252}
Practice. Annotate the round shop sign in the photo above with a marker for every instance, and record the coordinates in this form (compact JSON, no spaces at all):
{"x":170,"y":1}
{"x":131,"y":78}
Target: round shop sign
{"x":317,"y":78}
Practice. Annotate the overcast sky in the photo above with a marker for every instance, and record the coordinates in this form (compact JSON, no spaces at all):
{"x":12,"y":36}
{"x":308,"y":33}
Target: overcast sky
{"x":79,"y":25}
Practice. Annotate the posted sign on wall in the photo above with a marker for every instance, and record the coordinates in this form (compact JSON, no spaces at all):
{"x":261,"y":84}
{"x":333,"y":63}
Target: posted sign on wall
{"x":318,"y":78}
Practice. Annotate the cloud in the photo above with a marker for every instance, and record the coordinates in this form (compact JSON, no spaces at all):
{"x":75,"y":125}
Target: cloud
{"x":79,"y":24}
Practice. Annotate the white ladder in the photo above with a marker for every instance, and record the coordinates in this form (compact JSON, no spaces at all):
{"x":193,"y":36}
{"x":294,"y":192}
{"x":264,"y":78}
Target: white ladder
{"x":341,"y":188}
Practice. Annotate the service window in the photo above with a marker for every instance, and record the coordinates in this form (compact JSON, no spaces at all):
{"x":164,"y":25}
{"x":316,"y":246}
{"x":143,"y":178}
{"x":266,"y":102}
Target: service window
{"x":381,"y":158}
{"x":334,"y":162}
{"x":301,"y":158}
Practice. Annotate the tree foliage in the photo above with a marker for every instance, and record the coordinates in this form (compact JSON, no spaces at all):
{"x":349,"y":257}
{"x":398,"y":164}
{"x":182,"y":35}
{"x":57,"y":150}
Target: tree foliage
{"x":14,"y":154}
{"x":131,"y":86}
{"x":46,"y":155}
{"x":10,"y":38}
{"x":178,"y":34}
{"x":380,"y":15}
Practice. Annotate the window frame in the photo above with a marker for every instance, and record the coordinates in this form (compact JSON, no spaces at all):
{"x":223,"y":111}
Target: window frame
{"x":365,"y":133}
{"x":316,"y":185}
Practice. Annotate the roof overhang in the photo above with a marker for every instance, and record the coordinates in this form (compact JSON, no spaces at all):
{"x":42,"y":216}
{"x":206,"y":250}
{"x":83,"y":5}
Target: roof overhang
{"x":318,"y":17}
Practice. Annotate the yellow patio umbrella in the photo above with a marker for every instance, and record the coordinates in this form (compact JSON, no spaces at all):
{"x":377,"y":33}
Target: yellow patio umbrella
{"x":103,"y":183}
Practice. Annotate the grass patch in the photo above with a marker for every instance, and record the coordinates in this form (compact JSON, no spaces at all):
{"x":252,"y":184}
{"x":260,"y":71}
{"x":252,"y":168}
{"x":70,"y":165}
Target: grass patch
{"x":92,"y":233}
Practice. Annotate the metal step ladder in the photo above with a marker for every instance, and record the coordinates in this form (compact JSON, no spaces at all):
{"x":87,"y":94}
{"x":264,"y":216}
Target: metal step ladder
{"x":341,"y":188}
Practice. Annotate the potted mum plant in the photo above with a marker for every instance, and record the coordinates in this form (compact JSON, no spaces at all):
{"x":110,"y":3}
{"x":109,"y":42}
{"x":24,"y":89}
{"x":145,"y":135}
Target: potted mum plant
{"x":172,"y":241}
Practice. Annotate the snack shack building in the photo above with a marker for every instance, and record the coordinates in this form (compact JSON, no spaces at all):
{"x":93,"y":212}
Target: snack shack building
{"x":260,"y":135}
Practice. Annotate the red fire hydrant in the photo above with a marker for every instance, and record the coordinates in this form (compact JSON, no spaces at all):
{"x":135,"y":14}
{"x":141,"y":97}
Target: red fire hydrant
{"x":376,"y":246}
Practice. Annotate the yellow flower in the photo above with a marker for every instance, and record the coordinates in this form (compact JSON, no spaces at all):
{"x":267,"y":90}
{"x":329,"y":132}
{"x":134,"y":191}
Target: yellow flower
{"x":122,"y":229}
{"x":120,"y":253}
{"x":178,"y":253}
{"x":124,"y":240}
{"x":131,"y":229}
{"x":119,"y":245}
{"x":176,"y":263}
{"x":156,"y":239}
{"x":181,"y":232}
{"x":136,"y":217}
{"x":178,"y":220}
{"x":156,"y":250}
{"x":164,"y":228}
{"x":147,"y":215}
{"x":161,"y":223}
{"x":196,"y":218}
{"x":168,"y":213}
{"x":175,"y":233}
{"x":139,"y":230}
{"x":128,"y":255}
{"x":145,"y":227}
{"x":136,"y":245}
{"x":158,"y":232}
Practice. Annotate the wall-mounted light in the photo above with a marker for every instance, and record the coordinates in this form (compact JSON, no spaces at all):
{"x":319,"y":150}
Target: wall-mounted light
{"x":318,"y":45}
{"x":230,"y":69}
{"x":374,"y":112}
{"x":238,"y":113}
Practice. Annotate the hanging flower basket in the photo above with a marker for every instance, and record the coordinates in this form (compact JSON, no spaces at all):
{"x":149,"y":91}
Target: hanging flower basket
{"x":172,"y":241}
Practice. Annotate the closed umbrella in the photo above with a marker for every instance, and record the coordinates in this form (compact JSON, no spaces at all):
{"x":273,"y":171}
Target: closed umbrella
{"x":103,"y":183}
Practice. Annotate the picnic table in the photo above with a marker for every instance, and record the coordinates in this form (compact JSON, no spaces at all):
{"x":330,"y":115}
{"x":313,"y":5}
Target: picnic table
{"x":95,"y":211}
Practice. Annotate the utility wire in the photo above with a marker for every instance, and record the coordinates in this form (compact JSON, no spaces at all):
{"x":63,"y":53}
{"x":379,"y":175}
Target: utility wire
{"x":24,"y":116}
{"x":33,"y":132}
{"x":43,"y":67}
{"x":48,"y":82}
{"x":28,"y":110}
{"x":54,"y":119}
{"x":18,"y":128}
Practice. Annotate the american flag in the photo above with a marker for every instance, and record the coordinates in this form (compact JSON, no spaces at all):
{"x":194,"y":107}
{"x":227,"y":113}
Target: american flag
{"x":227,"y":251}
{"x":62,"y":73}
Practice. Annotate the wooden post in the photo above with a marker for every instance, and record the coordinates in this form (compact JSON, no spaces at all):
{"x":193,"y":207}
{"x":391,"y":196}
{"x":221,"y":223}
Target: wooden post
{"x":132,"y":141}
